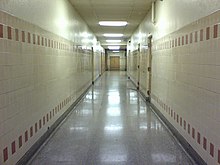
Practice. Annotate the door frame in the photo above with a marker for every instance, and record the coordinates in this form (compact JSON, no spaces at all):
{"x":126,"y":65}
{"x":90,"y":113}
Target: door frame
{"x":149,"y":42}
{"x":118,"y":57}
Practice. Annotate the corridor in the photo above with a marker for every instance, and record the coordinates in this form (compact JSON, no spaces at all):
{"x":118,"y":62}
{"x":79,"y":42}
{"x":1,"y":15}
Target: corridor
{"x":111,"y":125}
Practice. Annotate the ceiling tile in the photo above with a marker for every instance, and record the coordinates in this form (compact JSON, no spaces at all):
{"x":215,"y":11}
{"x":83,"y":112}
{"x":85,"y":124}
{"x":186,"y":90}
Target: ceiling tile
{"x":93,"y":11}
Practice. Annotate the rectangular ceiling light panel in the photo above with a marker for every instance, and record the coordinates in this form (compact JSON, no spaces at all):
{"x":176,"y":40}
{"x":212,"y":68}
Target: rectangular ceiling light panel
{"x":114,"y":41}
{"x":113,"y":35}
{"x":113,"y":23}
{"x":114,"y":47}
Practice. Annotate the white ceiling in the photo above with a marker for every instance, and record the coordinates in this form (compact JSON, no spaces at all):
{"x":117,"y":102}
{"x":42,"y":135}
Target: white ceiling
{"x":93,"y":11}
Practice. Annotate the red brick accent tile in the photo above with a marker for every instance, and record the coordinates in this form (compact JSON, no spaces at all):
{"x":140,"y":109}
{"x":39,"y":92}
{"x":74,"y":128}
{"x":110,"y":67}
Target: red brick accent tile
{"x":44,"y":120}
{"x":196,"y":36}
{"x":1,"y":31}
{"x":9,"y":33}
{"x":40,"y":124}
{"x":207,"y":33}
{"x":47,"y":117}
{"x":193,"y":133}
{"x":184,"y":124}
{"x":5,"y":154}
{"x":219,"y":156}
{"x":16,"y":35}
{"x":201,"y":35}
{"x":35,"y":127}
{"x":26,"y":136}
{"x":23,"y":36}
{"x":34,"y":41}
{"x":187,"y":39}
{"x":204,"y":143}
{"x":38,"y":40}
{"x":29,"y":37}
{"x":31,"y":131}
{"x":188,"y":128}
{"x":191,"y":37}
{"x":20,"y":141}
{"x":13,"y":147}
{"x":215,"y":34}
{"x":198,"y":137}
{"x":211,"y":149}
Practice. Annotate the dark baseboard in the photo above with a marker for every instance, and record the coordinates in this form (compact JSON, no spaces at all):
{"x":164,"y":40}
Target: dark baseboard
{"x":186,"y":146}
{"x":36,"y":146}
{"x":147,"y":99}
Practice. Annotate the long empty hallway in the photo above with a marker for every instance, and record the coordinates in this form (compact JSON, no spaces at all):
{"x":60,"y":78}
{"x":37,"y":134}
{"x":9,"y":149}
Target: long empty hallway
{"x":111,"y":125}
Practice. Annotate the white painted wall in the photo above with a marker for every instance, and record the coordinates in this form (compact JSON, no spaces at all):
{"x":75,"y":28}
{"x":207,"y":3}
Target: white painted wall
{"x":170,"y":16}
{"x":185,"y":78}
{"x":38,"y":81}
{"x":56,"y":16}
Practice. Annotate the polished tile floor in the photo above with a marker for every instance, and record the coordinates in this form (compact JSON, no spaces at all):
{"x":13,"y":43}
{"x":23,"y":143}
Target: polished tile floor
{"x":112,"y":125}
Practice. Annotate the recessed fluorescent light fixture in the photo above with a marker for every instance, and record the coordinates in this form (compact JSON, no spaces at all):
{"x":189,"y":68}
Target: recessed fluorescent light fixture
{"x":113,"y":41}
{"x":114,"y":47}
{"x":113,"y":23}
{"x":115,"y":51}
{"x":113,"y":35}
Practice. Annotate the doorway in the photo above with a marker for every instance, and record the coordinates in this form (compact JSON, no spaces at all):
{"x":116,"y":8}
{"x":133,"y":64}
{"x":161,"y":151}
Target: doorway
{"x":114,"y":63}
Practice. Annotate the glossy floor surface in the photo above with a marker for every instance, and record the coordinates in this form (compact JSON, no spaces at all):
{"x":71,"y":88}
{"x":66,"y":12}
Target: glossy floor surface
{"x":112,"y":125}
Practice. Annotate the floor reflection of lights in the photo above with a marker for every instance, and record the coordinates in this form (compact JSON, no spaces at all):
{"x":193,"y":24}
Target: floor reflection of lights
{"x":113,"y":112}
{"x":163,"y":158}
{"x":114,"y":97}
{"x":113,"y":154}
{"x":91,"y":96}
{"x":78,"y":129}
{"x":86,"y":111}
{"x":112,"y":128}
{"x":115,"y":158}
{"x":143,"y":126}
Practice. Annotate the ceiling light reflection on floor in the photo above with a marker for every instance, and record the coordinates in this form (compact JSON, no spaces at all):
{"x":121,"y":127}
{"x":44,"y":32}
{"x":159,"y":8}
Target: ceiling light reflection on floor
{"x":113,"y":98}
{"x":163,"y":158}
{"x":113,"y":128}
{"x":78,"y":128}
{"x":114,"y":158}
{"x":143,"y":126}
{"x":113,"y":111}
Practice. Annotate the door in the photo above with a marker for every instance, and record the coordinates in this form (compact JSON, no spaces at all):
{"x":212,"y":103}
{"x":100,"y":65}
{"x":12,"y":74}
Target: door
{"x":138,"y":66}
{"x":114,"y":63}
{"x":149,"y":66}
